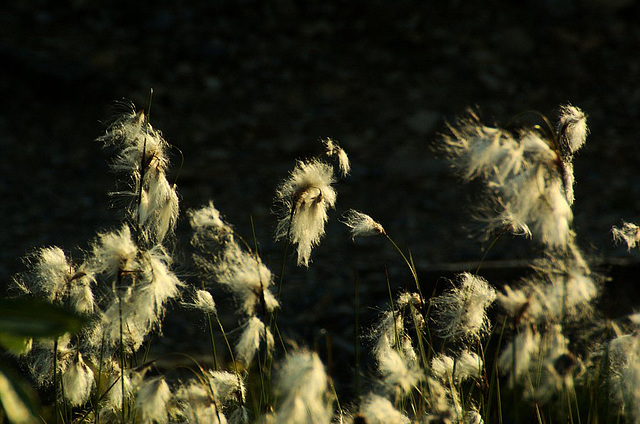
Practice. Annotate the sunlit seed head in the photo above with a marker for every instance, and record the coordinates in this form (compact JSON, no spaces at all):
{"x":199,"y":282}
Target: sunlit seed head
{"x":302,"y":201}
{"x":460,"y":313}
{"x":152,"y":400}
{"x":203,"y":301}
{"x":376,"y":409}
{"x":629,"y":234}
{"x":361,"y":224}
{"x":301,"y":389}
{"x":78,"y":381}
{"x":572,"y":127}
{"x":114,"y":253}
{"x":332,"y":149}
{"x":254,"y":333}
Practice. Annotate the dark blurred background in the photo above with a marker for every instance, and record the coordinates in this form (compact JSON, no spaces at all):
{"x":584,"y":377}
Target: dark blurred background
{"x":243,"y":88}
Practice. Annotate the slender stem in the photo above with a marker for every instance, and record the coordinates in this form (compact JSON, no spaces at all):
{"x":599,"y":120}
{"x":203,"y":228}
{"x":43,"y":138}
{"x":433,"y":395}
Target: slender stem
{"x":285,"y":251}
{"x":409,"y":264}
{"x":263,"y":304}
{"x":495,"y":372}
{"x":356,"y":340}
{"x":226,"y":340}
{"x":81,"y":420}
{"x":572,"y":391}
{"x":122,"y":387}
{"x":393,"y":312}
{"x":335,"y":396}
{"x":513,"y":368}
{"x":498,"y":394}
{"x":143,"y":167}
{"x":55,"y":377}
{"x":491,"y":246}
{"x":98,"y":397}
{"x":233,"y":360}
{"x":213,"y":343}
{"x":568,"y":399}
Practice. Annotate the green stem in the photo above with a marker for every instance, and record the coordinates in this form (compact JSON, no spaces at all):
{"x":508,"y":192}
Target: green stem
{"x":409,"y":264}
{"x":55,"y":378}
{"x":491,"y":246}
{"x":356,"y":341}
{"x":284,"y":254}
{"x":122,"y":361}
{"x":213,"y":343}
{"x":98,"y":397}
{"x":226,"y":340}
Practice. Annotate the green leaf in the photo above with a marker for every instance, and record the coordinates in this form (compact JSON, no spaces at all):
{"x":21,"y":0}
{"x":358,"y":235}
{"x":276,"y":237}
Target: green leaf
{"x":17,"y":345}
{"x":34,"y":318}
{"x":17,"y":398}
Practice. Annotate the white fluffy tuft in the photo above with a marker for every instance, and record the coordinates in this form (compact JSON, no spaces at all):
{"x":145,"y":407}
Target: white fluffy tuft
{"x":303,"y":200}
{"x":460,"y":313}
{"x":301,"y":389}
{"x":361,"y":224}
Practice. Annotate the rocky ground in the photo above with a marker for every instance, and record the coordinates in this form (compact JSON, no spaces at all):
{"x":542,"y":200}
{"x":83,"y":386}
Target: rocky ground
{"x":244,"y":88}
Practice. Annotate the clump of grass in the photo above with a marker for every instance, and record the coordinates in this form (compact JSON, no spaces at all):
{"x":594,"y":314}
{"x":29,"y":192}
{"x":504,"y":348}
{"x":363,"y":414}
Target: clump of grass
{"x":533,"y":350}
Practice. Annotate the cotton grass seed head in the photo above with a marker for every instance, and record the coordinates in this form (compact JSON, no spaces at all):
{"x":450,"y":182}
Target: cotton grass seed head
{"x":81,"y":297}
{"x":376,"y":409}
{"x":397,"y":362}
{"x":208,"y":218}
{"x":228,"y":387}
{"x":332,"y":149}
{"x":140,"y":303}
{"x":202,"y":301}
{"x":460,"y":313}
{"x":114,"y":253}
{"x":210,"y":231}
{"x":560,"y":290}
{"x":143,"y":160}
{"x":400,"y":372}
{"x":629,"y":234}
{"x":301,"y":389}
{"x":152,"y":400}
{"x":467,"y":365}
{"x":159,"y":208}
{"x":78,"y":381}
{"x":361,"y":224}
{"x":247,"y":278}
{"x":528,"y":183}
{"x":253,"y":333}
{"x":524,"y":346}
{"x":442,"y":367}
{"x":302,"y":201}
{"x":48,"y":274}
{"x":514,"y":301}
{"x":572,"y":128}
{"x":132,"y":133}
{"x":225,"y":262}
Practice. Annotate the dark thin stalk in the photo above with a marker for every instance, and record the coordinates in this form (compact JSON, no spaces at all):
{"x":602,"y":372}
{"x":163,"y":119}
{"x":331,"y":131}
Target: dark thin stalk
{"x":55,"y":378}
{"x":98,"y":397}
{"x":409,"y":264}
{"x":285,"y":251}
{"x":224,"y":335}
{"x":491,"y":246}
{"x":356,"y":341}
{"x":122,"y":362}
{"x":143,"y":168}
{"x":265,"y":394}
{"x":498,"y":394}
{"x":213,"y":343}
